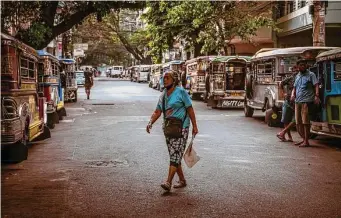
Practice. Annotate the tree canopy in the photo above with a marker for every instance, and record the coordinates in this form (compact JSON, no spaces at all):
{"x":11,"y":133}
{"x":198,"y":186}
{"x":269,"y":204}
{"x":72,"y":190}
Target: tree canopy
{"x":116,"y":36}
{"x":37,"y":23}
{"x":205,"y":26}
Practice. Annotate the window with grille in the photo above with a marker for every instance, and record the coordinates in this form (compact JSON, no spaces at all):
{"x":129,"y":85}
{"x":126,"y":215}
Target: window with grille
{"x":27,"y":68}
{"x":337,"y":70}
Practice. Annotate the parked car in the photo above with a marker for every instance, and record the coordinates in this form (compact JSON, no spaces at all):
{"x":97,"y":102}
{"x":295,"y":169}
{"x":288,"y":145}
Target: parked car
{"x":80,"y":77}
{"x":116,"y":72}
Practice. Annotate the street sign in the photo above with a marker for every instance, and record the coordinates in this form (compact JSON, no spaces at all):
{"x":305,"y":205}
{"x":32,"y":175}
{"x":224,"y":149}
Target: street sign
{"x":83,"y":46}
{"x":78,"y":52}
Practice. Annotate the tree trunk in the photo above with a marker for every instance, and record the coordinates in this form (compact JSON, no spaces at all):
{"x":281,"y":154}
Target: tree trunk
{"x":197,"y":49}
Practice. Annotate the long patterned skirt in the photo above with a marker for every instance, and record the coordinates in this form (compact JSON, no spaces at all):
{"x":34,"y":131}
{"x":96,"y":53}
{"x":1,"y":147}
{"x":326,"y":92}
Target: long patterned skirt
{"x":176,"y":147}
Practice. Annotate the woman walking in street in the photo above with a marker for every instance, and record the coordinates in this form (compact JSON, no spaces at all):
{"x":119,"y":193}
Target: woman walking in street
{"x":176,"y":106}
{"x":89,"y":82}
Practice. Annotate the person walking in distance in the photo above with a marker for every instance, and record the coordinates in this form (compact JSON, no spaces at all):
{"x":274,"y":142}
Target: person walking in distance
{"x":288,"y":111}
{"x":177,"y":109}
{"x":89,"y":81}
{"x":305,"y":94}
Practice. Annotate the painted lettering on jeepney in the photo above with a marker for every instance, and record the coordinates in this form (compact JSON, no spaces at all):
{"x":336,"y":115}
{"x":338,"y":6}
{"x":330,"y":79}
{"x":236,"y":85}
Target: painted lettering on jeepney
{"x":33,"y":108}
{"x":232,"y":103}
{"x":28,"y":86}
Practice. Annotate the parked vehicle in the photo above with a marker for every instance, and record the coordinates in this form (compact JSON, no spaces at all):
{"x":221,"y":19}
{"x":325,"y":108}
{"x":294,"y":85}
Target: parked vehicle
{"x":268,"y":69}
{"x":133,"y":73}
{"x":68,"y":77}
{"x":50,"y":86}
{"x":196,"y":70}
{"x":116,"y":71}
{"x":329,"y":75}
{"x":108,"y":72}
{"x":142,"y":73}
{"x":175,"y":65}
{"x":225,"y":81}
{"x":23,"y":111}
{"x":80,"y":78}
{"x":155,"y":76}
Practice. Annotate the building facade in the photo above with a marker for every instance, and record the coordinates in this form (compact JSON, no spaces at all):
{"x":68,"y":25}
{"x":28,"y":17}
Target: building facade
{"x":296,"y":19}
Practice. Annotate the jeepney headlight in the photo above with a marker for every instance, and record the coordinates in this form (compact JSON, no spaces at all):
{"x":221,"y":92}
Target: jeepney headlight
{"x":5,"y":127}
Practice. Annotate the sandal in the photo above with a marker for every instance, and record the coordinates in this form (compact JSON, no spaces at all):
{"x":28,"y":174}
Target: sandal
{"x":282,"y":138}
{"x":181,"y":184}
{"x":166,"y":186}
{"x":299,"y":143}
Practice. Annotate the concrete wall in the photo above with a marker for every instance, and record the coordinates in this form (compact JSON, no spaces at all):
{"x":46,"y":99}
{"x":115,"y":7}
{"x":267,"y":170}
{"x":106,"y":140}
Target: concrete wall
{"x":301,"y":20}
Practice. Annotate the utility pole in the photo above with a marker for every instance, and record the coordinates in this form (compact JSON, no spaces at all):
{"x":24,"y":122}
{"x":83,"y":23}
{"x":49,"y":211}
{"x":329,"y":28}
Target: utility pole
{"x":318,"y":16}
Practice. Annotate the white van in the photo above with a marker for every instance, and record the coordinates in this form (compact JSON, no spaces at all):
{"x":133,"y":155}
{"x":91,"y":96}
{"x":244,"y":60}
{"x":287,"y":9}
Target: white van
{"x":143,"y":73}
{"x":116,"y":71}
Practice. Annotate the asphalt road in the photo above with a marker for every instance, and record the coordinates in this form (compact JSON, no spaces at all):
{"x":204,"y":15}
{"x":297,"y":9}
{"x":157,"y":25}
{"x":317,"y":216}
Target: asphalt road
{"x":100,"y":162}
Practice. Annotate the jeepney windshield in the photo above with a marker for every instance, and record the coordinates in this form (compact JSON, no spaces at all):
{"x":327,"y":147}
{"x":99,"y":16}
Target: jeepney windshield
{"x":145,"y":69}
{"x":236,"y":73}
{"x":69,"y":67}
{"x":175,"y":67}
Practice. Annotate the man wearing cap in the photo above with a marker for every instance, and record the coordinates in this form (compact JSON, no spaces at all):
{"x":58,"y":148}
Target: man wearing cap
{"x":305,"y":94}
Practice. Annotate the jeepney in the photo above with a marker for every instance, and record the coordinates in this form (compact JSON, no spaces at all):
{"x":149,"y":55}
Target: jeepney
{"x":225,"y":81}
{"x":133,"y":73}
{"x":155,"y":76}
{"x":268,"y":68}
{"x":68,"y":78}
{"x":175,"y":65}
{"x":23,"y":112}
{"x":50,"y":86}
{"x":329,"y":74}
{"x":196,"y":70}
{"x":142,"y":73}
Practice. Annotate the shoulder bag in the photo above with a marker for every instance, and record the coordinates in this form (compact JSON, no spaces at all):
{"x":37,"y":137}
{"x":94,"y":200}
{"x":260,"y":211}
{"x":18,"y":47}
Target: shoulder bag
{"x":173,"y":126}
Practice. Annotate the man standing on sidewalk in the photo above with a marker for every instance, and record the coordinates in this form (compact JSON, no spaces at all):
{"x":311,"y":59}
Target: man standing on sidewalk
{"x":305,"y":94}
{"x":288,"y":107}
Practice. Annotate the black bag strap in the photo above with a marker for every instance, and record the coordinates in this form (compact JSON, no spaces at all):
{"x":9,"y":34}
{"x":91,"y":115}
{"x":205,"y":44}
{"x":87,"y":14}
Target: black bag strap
{"x":164,"y":104}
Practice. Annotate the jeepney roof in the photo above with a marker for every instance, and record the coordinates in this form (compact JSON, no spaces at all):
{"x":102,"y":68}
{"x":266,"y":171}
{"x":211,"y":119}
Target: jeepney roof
{"x":27,"y":50}
{"x":143,"y":65}
{"x":43,"y":53}
{"x":228,"y":58}
{"x":208,"y":58}
{"x":173,"y":62}
{"x":328,"y":55}
{"x":288,"y":51}
{"x":67,"y":61}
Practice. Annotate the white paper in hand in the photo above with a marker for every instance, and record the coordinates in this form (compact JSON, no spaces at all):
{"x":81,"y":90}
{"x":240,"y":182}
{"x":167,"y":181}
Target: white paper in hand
{"x":190,"y":156}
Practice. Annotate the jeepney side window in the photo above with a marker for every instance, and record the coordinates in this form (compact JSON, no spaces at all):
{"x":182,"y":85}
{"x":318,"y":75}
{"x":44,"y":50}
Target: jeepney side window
{"x":40,"y":68}
{"x":328,"y":75}
{"x":31,"y":69}
{"x":264,"y":71}
{"x":337,"y":70}
{"x":24,"y":68}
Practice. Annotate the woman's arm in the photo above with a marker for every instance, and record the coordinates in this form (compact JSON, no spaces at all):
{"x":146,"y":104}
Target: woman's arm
{"x":153,"y":119}
{"x":191,"y":114}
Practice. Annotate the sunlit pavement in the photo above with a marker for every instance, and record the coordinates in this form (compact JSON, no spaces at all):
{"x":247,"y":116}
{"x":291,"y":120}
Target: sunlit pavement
{"x":100,"y":162}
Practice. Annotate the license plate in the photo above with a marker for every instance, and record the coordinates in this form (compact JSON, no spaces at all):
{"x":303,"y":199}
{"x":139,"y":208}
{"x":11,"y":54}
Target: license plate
{"x":232,"y":103}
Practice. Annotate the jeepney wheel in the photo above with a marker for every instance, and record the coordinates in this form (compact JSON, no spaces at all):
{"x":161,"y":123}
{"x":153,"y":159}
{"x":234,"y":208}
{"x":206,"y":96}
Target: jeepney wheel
{"x":26,"y":135}
{"x":50,"y":123}
{"x":55,"y":117}
{"x":75,"y":99}
{"x":248,"y":111}
{"x":272,"y":118}
{"x":248,"y":86}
